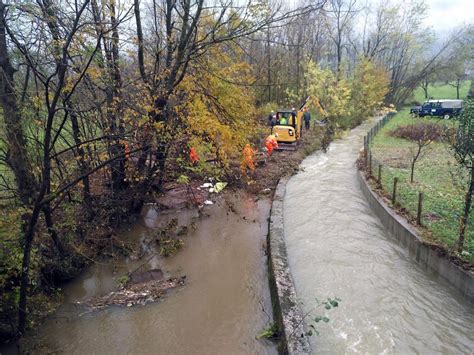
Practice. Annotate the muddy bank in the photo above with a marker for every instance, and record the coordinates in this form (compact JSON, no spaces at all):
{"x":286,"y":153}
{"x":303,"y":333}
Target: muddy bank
{"x":282,"y":163}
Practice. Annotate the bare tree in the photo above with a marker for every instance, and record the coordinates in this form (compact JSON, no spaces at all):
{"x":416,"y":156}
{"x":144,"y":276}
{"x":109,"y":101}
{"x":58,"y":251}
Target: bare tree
{"x":340,"y":16}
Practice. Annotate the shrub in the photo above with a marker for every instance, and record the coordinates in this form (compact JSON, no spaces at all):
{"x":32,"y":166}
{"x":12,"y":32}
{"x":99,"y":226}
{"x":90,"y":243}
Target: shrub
{"x":420,"y":132}
{"x":423,"y":134}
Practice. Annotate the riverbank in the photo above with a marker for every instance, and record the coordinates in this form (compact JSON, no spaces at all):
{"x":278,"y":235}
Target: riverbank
{"x":427,"y":255}
{"x":436,"y":176}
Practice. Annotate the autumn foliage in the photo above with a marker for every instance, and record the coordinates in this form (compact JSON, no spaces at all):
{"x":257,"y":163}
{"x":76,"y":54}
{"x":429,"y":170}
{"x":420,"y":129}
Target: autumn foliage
{"x":345,"y":101}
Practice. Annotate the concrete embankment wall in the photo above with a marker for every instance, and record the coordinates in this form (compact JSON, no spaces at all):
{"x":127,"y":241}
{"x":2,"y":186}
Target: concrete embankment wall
{"x":286,"y":310}
{"x":407,"y":235}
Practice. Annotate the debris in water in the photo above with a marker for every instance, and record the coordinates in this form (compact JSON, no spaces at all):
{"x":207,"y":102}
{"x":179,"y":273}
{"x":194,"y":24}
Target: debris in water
{"x":136,"y":294}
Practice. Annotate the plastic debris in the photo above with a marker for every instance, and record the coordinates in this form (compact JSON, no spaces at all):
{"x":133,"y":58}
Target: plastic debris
{"x":208,"y":202}
{"x":219,"y":186}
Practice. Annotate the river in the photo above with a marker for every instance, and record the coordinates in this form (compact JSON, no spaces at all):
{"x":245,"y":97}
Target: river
{"x":223,"y":306}
{"x":338,"y":248}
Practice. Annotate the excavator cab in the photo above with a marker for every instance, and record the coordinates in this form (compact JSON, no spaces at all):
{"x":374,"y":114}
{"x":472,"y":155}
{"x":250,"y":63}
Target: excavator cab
{"x":288,"y":127}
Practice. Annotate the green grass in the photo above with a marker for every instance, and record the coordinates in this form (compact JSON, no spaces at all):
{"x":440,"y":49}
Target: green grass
{"x":436,"y":175}
{"x":441,"y":91}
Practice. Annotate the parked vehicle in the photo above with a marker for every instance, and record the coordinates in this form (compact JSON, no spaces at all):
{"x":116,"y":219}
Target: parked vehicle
{"x":438,"y":108}
{"x":415,"y":110}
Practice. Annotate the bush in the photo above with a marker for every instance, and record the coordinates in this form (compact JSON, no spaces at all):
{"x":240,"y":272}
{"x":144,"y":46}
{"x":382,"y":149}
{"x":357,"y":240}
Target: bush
{"x":420,"y":132}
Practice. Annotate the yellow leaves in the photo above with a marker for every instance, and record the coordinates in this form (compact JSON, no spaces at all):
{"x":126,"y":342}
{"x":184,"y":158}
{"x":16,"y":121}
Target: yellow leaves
{"x":68,"y":85}
{"x":218,"y":108}
{"x":93,"y":72}
{"x":159,"y":126}
{"x":331,"y":96}
{"x":36,"y":102}
{"x":370,"y":85}
{"x":103,"y":156}
{"x":357,"y":97}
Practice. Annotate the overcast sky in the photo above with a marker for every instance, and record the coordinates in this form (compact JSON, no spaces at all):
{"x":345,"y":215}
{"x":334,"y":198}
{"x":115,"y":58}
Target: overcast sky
{"x":445,"y":15}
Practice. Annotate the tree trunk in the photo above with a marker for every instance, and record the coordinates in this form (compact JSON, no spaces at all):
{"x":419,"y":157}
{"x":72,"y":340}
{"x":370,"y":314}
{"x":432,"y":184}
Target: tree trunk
{"x":458,"y":84}
{"x":17,"y":156}
{"x":471,"y":88}
{"x":118,"y":166}
{"x":414,"y":159}
{"x":467,"y":210}
{"x":425,"y":89}
{"x":51,"y":230}
{"x":82,"y":163}
{"x":269,"y":78}
{"x":298,"y":59}
{"x":25,"y":269}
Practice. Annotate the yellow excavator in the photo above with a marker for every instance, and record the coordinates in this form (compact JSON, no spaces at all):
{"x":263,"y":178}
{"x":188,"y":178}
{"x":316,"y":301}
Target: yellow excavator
{"x":289,"y":124}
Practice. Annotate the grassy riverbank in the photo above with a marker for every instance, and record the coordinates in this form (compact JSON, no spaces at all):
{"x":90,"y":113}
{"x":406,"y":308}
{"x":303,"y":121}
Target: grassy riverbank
{"x":436,"y":176}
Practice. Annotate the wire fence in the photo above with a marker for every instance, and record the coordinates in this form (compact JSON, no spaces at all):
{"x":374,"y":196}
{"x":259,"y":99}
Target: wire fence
{"x":424,"y":204}
{"x":392,"y":183}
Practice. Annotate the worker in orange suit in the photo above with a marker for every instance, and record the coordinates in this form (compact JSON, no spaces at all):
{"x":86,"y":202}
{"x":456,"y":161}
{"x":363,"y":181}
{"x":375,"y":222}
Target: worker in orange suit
{"x":127,"y":150}
{"x":247,"y":161}
{"x":193,"y":156}
{"x":271,"y":143}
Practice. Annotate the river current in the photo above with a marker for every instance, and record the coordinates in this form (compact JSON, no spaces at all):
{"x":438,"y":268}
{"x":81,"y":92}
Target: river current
{"x":338,"y":248}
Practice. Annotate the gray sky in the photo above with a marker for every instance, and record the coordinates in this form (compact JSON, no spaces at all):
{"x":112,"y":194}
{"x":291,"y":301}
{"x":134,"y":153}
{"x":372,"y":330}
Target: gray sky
{"x":446,"y":15}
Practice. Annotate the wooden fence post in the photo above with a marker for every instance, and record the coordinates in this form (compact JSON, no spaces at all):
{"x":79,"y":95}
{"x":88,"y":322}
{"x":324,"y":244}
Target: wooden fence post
{"x":370,"y":163}
{"x":379,"y":177}
{"x":420,"y":207}
{"x":394,"y":194}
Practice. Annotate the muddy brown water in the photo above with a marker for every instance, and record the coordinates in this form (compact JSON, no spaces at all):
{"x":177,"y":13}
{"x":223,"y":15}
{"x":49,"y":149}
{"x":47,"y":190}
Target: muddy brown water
{"x":218,"y":311}
{"x":338,"y":247}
